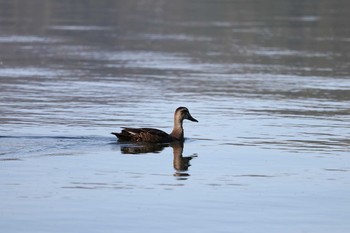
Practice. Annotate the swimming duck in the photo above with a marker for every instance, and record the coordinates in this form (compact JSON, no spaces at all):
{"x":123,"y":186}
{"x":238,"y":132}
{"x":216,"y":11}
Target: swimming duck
{"x":156,"y":135}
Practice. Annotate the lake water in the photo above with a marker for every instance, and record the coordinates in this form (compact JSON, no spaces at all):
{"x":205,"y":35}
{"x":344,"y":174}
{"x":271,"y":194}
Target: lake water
{"x":269,"y":82}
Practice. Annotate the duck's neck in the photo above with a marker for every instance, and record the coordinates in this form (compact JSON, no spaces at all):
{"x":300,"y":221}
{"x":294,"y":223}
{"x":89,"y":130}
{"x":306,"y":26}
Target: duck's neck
{"x":178,"y":131}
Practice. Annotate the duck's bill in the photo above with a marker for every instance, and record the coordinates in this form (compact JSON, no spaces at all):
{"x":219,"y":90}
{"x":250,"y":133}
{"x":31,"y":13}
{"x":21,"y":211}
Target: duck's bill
{"x":191,"y":118}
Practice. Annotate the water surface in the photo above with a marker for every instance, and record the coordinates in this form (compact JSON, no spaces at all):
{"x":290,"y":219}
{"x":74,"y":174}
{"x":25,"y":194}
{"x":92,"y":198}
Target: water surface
{"x":267,"y":80}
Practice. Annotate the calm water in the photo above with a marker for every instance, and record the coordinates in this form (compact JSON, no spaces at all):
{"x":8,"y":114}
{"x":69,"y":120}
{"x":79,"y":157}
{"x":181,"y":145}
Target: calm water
{"x":269,"y":82}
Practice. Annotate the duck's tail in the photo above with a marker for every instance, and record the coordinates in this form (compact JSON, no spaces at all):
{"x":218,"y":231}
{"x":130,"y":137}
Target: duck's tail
{"x":122,"y":136}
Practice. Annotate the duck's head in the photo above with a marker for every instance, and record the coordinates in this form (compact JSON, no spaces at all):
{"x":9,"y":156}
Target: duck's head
{"x":182,"y":113}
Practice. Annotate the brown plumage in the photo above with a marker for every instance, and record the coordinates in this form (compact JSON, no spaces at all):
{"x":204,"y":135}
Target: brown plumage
{"x":156,"y":135}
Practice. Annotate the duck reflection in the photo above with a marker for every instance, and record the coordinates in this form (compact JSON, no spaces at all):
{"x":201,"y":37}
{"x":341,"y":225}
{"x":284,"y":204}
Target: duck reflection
{"x":180,"y":163}
{"x":142,"y":148}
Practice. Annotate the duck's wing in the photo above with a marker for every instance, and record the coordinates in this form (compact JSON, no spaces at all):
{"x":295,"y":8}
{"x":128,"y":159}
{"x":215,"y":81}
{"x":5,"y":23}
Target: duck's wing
{"x":143,"y":135}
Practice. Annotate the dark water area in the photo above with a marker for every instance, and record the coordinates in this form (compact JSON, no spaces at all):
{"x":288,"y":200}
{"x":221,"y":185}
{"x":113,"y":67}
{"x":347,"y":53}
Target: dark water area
{"x":269,"y":82}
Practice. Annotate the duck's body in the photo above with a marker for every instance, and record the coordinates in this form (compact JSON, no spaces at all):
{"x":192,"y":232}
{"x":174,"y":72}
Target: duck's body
{"x":156,"y":135}
{"x":143,"y":135}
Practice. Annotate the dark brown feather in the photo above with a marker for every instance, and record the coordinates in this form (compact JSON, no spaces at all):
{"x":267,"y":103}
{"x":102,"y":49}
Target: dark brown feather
{"x":143,"y":135}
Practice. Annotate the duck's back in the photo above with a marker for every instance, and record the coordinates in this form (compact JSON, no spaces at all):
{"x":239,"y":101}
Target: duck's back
{"x":143,"y":135}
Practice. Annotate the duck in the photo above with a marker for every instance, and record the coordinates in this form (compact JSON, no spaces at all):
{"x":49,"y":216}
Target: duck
{"x":150,"y":135}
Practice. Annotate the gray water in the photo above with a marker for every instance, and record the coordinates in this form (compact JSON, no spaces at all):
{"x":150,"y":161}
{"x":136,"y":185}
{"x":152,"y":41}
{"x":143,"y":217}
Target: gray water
{"x":269,"y":82}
